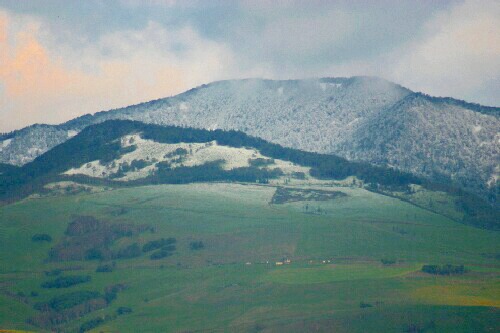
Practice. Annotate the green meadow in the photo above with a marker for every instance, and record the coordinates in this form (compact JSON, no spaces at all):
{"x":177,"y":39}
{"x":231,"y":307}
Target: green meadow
{"x":354,"y":263}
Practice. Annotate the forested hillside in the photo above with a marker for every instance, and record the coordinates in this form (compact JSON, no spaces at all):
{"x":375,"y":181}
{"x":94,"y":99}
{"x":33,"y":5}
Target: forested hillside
{"x":102,"y":145}
{"x":360,"y":118}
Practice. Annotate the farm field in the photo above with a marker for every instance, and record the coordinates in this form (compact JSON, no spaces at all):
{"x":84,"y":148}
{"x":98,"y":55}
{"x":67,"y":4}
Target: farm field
{"x":338,"y":259}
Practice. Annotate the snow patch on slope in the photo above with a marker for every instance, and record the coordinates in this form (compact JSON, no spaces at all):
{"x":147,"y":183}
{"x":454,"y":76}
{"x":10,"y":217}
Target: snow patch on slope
{"x":72,"y":133}
{"x":5,"y":143}
{"x":177,"y":155}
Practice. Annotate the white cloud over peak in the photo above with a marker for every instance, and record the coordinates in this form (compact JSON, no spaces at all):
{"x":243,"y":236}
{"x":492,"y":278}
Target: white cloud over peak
{"x":459,"y":55}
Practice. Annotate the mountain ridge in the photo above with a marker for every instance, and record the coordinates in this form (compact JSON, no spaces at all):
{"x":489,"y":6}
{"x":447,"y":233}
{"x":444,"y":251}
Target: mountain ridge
{"x":343,"y":116}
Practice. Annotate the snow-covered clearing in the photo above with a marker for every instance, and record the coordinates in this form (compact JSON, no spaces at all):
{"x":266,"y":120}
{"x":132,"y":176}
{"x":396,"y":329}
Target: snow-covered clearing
{"x":6,"y":143}
{"x":72,"y":133}
{"x":179,"y":154}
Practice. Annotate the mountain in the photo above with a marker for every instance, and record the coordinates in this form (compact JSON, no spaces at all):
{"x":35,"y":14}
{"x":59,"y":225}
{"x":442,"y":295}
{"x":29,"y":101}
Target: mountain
{"x":360,"y":118}
{"x":134,"y":227}
{"x":123,"y":153}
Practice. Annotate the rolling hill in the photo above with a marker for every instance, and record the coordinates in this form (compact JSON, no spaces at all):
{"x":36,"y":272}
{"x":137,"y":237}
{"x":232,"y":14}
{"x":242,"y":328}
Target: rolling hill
{"x":129,"y":227}
{"x":248,"y":257}
{"x":122,"y":153}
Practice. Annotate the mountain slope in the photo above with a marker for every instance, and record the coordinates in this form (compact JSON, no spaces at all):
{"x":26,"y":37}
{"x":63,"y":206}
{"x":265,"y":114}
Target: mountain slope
{"x":121,"y":153}
{"x":438,"y":140}
{"x":361,"y":118}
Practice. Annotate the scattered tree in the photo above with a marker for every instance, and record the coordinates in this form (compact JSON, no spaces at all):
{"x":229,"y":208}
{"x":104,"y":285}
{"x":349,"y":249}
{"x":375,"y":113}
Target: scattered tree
{"x":66,"y":281}
{"x":41,"y":238}
{"x":197,"y":245}
{"x":444,"y":269}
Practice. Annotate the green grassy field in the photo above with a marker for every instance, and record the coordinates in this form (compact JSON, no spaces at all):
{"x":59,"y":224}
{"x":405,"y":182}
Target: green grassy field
{"x":334,"y":282}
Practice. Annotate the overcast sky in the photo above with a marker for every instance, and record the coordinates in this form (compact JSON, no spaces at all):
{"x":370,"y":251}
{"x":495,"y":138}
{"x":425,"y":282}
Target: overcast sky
{"x":61,"y":59}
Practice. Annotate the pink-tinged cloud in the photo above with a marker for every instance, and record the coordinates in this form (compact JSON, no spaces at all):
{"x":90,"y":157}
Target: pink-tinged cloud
{"x":42,"y":83}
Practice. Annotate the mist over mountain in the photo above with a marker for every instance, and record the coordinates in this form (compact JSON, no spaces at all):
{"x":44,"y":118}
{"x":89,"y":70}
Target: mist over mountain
{"x":360,"y":118}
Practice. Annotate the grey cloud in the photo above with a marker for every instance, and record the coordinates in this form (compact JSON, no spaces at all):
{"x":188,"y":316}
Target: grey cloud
{"x":439,"y":47}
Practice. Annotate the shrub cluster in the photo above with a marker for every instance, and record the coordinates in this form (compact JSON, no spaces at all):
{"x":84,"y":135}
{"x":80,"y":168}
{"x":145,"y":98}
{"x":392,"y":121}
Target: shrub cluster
{"x":388,"y":261}
{"x":157,"y":244}
{"x":41,"y":238}
{"x":66,"y":281}
{"x":66,"y":301}
{"x":198,"y":245}
{"x":444,"y":269}
{"x":104,"y":268}
{"x":123,"y":310}
{"x":260,"y":162}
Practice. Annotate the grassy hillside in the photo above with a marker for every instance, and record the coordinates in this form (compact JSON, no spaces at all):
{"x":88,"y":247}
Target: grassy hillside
{"x":355,"y":262}
{"x":101,"y":144}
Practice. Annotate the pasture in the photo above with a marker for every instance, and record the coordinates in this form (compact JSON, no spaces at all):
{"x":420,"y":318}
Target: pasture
{"x":335,"y":280}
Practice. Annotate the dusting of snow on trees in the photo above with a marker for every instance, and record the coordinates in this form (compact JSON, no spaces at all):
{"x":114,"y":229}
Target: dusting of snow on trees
{"x":360,"y":118}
